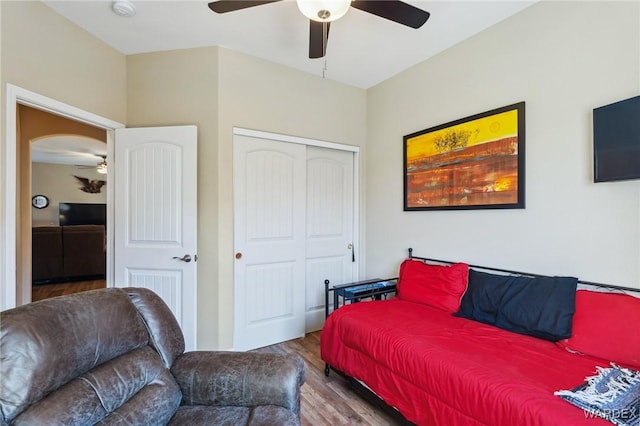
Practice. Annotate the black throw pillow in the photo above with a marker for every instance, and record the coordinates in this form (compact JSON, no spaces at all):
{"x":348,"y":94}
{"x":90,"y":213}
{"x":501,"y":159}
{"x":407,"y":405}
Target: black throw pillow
{"x":541,"y":307}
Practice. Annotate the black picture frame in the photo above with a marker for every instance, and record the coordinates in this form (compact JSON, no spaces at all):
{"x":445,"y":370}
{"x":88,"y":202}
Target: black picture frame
{"x":476,"y":162}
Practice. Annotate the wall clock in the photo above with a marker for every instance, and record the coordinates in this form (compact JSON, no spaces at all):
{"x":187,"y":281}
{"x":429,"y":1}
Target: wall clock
{"x":39,"y":201}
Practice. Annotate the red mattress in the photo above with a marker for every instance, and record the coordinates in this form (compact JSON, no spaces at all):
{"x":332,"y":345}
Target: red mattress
{"x":437,"y":369}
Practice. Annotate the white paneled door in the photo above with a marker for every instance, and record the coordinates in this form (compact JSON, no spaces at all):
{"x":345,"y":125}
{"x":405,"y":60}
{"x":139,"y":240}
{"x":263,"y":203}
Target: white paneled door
{"x":293,"y":228}
{"x":156,"y":216}
{"x":330,"y":251}
{"x":269,"y":235}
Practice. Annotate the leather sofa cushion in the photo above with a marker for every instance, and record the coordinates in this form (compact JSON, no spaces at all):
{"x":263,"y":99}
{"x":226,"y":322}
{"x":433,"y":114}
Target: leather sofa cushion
{"x":272,"y":415}
{"x":134,"y":388}
{"x":239,"y":379}
{"x":63,"y":339}
{"x":205,"y":415}
{"x":114,"y":356}
{"x":164,"y":331}
{"x":264,"y":415}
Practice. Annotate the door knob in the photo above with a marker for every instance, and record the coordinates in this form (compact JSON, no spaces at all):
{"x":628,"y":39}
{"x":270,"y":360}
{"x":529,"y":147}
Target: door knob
{"x":185,"y":258}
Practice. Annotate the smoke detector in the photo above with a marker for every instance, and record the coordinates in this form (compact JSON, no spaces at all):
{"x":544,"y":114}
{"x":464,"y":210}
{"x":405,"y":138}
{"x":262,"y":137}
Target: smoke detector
{"x":124,"y":8}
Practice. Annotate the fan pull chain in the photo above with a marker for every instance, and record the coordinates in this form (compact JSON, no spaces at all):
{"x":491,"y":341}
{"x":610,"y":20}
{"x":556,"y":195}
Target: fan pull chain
{"x":325,"y":37}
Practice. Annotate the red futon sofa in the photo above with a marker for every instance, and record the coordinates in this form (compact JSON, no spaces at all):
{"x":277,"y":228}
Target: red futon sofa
{"x":459,"y":346}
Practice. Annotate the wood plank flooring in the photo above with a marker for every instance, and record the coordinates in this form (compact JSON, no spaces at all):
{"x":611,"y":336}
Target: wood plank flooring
{"x":45,"y":291}
{"x":328,"y":401}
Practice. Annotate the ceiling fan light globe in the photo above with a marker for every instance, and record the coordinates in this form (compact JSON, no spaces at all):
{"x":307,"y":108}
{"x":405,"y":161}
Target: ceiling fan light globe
{"x":102,"y":168}
{"x":323,"y":10}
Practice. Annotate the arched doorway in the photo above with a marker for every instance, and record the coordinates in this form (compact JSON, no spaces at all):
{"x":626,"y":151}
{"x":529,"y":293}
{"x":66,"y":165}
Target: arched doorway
{"x":68,"y":230}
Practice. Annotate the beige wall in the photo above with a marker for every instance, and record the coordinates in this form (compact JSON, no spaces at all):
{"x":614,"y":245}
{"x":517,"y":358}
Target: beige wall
{"x":553,"y":56}
{"x":176,"y":88}
{"x":45,"y":53}
{"x":217,"y":89}
{"x":57,"y":182}
{"x":35,"y":124}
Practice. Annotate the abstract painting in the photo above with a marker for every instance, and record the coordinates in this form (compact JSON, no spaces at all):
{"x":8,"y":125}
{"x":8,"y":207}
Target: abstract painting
{"x":475,"y":162}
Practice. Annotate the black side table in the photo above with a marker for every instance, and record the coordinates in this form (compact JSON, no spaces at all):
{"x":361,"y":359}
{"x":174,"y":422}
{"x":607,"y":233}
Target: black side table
{"x":374,"y":289}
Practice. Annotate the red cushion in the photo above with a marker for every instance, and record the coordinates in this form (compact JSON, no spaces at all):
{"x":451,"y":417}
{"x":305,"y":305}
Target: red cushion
{"x":607,"y":326}
{"x":439,"y":286}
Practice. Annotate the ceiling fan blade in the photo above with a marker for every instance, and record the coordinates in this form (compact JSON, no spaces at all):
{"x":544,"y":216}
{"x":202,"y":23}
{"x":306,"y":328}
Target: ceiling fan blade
{"x":224,"y":6}
{"x":396,"y":11}
{"x":318,"y":38}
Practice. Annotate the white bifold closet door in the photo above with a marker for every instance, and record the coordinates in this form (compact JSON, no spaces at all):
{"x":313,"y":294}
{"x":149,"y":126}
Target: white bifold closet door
{"x":293,"y":228}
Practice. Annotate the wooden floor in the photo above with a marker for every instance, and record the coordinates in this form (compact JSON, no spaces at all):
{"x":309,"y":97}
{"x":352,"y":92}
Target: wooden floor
{"x":325,"y":401}
{"x":45,"y":291}
{"x":328,"y":400}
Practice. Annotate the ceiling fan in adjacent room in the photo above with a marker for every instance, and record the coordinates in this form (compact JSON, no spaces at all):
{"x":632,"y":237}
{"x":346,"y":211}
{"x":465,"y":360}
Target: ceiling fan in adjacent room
{"x":322,"y":12}
{"x":101,"y":166}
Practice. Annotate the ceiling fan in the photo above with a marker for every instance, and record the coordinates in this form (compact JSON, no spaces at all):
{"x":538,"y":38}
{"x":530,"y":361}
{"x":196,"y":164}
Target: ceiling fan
{"x":101,"y":166}
{"x":322,"y":12}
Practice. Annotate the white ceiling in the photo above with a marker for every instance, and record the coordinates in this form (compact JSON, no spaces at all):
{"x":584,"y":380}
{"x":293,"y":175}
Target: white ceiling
{"x":68,"y":149}
{"x":363,"y":49}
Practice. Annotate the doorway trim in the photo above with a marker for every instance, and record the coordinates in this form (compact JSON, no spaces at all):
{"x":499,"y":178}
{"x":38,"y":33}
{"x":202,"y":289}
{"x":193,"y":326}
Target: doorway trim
{"x":297,"y":139}
{"x":8,"y":216}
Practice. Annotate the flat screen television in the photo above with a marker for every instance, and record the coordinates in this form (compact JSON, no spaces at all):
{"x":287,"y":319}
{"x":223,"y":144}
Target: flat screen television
{"x":82,"y":214}
{"x":616,"y":141}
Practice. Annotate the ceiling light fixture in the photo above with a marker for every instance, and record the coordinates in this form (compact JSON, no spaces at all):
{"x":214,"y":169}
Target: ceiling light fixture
{"x":324,"y":10}
{"x":102,"y":167}
{"x":123,"y":8}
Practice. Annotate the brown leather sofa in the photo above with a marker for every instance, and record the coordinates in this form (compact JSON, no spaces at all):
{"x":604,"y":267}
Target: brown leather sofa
{"x":116,"y":356}
{"x":46,"y":253}
{"x":67,"y":253}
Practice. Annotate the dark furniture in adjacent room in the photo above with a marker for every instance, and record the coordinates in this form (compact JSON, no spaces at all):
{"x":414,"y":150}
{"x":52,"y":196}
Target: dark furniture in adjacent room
{"x":46,"y":254}
{"x":68,"y":253}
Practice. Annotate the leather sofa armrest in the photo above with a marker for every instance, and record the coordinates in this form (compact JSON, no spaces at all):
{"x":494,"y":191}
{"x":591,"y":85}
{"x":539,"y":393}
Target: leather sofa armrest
{"x":240,"y":379}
